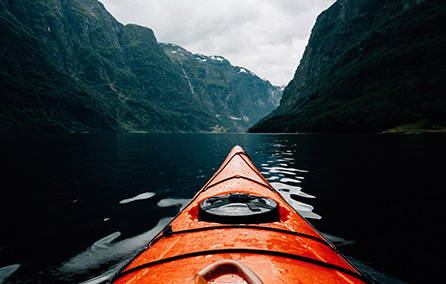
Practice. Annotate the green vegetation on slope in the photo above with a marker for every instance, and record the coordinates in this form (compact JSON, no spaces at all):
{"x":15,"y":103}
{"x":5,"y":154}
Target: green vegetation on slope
{"x":379,"y":66}
{"x":234,"y":94}
{"x":70,"y":66}
{"x":36,"y":95}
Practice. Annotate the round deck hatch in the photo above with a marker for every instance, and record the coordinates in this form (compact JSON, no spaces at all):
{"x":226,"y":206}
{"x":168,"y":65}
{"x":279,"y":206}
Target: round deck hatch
{"x":239,"y":208}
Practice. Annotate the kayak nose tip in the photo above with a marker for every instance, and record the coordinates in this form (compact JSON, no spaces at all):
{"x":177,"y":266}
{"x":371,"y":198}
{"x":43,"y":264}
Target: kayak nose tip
{"x":237,"y":149}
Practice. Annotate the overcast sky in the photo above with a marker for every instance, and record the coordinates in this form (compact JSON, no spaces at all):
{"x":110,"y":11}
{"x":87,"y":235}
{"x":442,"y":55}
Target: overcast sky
{"x":267,"y":37}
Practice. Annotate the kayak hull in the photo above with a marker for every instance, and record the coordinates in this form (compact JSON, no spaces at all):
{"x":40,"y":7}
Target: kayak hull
{"x":285,"y":250}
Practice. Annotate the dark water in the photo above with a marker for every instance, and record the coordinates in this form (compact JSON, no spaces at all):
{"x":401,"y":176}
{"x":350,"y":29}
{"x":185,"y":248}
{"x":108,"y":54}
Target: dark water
{"x":76,"y":207}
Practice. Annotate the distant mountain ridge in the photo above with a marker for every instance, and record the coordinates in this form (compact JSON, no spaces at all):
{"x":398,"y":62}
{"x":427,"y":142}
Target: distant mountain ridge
{"x":70,"y":66}
{"x":369,"y":65}
{"x":235,"y":94}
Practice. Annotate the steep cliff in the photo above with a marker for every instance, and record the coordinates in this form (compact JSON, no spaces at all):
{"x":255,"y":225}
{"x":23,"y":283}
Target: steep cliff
{"x":369,"y":65}
{"x":36,"y":91}
{"x":70,"y":66}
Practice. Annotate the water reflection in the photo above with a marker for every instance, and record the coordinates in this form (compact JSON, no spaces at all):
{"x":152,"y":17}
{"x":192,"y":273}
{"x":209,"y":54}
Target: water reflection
{"x":168,"y":202}
{"x":280,"y":171}
{"x":141,"y":196}
{"x":69,"y":190}
{"x":106,"y":252}
{"x":7,"y":271}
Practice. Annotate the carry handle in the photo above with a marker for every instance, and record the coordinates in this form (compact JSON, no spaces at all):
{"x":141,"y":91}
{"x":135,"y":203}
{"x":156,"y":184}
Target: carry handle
{"x":224,"y":267}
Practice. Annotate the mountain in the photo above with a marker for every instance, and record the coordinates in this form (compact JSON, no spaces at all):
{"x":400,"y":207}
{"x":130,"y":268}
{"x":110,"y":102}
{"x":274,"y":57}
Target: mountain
{"x":70,"y":66}
{"x":369,"y":65}
{"x":236,"y":95}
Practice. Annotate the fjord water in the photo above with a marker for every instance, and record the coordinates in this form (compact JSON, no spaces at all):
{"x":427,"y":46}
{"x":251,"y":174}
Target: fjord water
{"x":76,"y":207}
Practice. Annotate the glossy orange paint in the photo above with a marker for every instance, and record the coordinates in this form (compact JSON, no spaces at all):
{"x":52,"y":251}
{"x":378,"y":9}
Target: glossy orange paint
{"x":287,"y":251}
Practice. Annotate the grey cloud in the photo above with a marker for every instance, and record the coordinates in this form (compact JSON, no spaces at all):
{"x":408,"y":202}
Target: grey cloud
{"x":266,"y":36}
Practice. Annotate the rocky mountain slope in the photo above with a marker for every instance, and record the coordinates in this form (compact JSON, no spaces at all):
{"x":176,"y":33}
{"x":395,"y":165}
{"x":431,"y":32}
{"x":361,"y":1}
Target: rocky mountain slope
{"x":69,"y":66}
{"x":370,"y":65}
{"x":236,"y":95}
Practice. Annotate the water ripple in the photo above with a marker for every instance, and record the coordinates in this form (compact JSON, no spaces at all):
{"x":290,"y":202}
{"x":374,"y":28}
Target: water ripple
{"x":284,"y":176}
{"x":7,"y":271}
{"x":291,"y":189}
{"x":167,"y":202}
{"x":295,"y":180}
{"x":142,"y":196}
{"x":106,"y":252}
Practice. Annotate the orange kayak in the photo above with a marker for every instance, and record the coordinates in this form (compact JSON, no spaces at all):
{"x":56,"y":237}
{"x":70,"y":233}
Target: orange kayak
{"x":239,"y":229}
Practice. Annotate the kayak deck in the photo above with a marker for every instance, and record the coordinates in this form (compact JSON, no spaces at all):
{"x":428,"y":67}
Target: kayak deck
{"x":283,"y":249}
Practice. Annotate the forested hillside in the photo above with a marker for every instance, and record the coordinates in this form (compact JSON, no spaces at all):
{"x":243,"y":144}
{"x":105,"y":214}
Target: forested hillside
{"x":370,"y":65}
{"x":236,"y":95}
{"x":70,"y":66}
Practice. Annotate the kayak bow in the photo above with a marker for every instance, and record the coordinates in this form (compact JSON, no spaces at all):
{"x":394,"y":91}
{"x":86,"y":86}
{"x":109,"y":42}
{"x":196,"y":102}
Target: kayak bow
{"x":239,"y":229}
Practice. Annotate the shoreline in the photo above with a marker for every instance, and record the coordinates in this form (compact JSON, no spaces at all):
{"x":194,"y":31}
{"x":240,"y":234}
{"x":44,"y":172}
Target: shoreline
{"x":415,"y":128}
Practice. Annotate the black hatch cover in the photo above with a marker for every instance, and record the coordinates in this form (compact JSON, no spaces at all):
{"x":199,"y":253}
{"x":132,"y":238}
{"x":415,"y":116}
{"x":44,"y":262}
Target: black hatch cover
{"x":239,"y":208}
